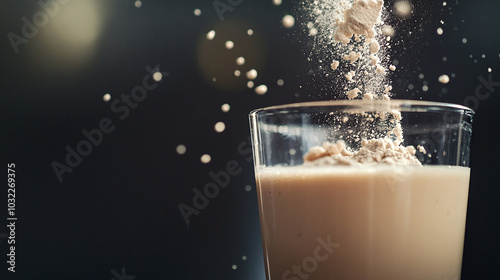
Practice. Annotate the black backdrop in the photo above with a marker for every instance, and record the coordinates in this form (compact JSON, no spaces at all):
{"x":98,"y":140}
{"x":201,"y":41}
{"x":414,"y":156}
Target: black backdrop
{"x":116,"y":214}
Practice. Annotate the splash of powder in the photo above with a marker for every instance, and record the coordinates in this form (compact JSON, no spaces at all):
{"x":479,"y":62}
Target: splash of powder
{"x":354,"y":39}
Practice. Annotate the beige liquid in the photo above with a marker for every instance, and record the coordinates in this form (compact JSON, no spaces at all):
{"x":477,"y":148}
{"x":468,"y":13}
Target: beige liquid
{"x":349,"y":223}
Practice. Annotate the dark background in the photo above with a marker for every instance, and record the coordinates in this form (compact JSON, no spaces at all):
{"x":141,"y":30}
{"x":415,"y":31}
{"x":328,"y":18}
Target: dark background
{"x":116,"y":213}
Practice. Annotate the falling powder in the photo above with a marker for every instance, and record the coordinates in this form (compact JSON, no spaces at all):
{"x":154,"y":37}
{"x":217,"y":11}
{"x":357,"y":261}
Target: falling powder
{"x":353,"y":93}
{"x":211,"y":35}
{"x":240,"y":60}
{"x":356,"y":35}
{"x":229,"y":45}
{"x":335,"y":64}
{"x":219,"y":127}
{"x":444,"y":79}
{"x":350,"y":75}
{"x":180,"y":149}
{"x":261,"y":90}
{"x":225,"y":107}
{"x":352,"y":57}
{"x":206,"y":158}
{"x":252,"y":74}
{"x":106,"y":97}
{"x":374,"y":46}
{"x":288,"y":21}
{"x":360,"y":19}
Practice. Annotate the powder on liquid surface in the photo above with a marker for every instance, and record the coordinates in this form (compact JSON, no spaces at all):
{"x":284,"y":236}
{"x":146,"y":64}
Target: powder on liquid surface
{"x":373,"y":151}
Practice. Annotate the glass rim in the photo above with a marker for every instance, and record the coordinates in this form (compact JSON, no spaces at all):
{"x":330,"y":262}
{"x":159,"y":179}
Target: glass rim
{"x":394,"y":104}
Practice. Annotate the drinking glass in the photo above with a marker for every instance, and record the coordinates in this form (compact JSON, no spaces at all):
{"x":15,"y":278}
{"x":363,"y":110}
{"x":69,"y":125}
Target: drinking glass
{"x":378,"y":220}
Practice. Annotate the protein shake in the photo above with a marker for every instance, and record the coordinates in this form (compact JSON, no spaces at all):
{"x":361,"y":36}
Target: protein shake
{"x":374,"y":212}
{"x":340,"y":195}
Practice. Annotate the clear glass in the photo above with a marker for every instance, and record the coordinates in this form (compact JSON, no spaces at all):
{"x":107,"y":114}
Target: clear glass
{"x":385,"y":221}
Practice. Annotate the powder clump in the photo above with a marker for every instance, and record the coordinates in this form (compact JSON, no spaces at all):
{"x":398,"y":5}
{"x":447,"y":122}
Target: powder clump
{"x":373,"y":151}
{"x":360,"y":19}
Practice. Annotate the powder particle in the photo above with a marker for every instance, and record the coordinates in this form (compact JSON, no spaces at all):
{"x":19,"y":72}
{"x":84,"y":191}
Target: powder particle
{"x":225,"y":107}
{"x":229,"y":45}
{"x":388,"y":30}
{"x":335,"y":65}
{"x":380,"y":69}
{"x":261,"y":90}
{"x":374,"y":60}
{"x":368,"y":96}
{"x":352,"y":57}
{"x":180,"y":149}
{"x":240,"y":60}
{"x":421,"y":149}
{"x":403,"y":8}
{"x":374,"y":46}
{"x":360,"y":19}
{"x":444,"y":79}
{"x":206,"y":158}
{"x":219,"y":127}
{"x":211,"y":35}
{"x":288,"y":21}
{"x":106,"y":97}
{"x":353,"y":93}
{"x":252,"y":74}
{"x":350,"y":75}
{"x":392,"y":68}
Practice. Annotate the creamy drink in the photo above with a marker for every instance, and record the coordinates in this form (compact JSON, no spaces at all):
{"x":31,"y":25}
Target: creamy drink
{"x":372,"y":223}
